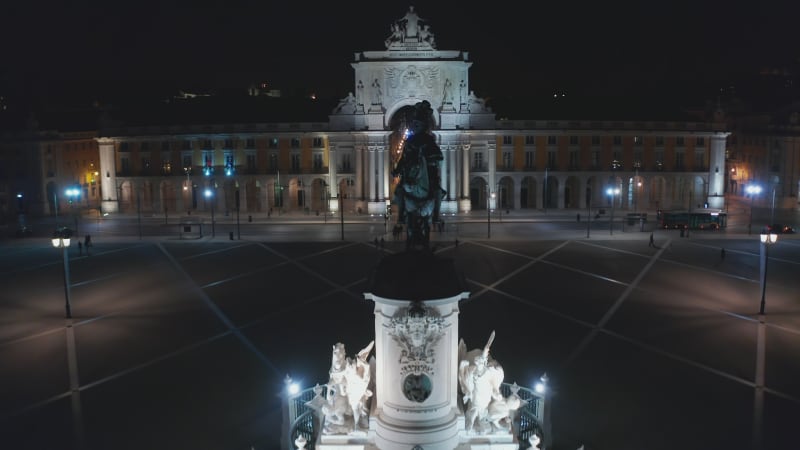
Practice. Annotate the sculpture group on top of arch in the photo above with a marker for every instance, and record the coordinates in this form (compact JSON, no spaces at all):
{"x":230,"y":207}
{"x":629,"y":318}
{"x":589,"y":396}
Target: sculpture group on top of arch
{"x":408,"y":31}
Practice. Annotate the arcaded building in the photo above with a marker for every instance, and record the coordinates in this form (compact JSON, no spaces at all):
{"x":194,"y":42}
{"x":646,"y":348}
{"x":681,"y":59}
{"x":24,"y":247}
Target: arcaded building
{"x":346,"y":162}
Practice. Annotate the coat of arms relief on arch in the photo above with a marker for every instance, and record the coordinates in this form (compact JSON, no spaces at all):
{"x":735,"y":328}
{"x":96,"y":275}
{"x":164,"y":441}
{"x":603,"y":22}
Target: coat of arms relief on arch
{"x":411,"y":82}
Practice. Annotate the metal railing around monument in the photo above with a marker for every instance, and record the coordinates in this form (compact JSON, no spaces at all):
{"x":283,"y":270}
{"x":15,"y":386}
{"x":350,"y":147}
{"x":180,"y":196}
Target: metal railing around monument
{"x":301,"y":420}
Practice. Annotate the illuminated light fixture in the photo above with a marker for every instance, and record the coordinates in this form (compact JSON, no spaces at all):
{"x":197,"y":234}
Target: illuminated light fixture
{"x":293,"y":388}
{"x":753,"y":189}
{"x":770,"y":238}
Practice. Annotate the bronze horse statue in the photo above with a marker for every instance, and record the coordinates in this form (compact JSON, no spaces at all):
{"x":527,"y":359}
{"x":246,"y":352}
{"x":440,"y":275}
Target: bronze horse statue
{"x":419,"y":193}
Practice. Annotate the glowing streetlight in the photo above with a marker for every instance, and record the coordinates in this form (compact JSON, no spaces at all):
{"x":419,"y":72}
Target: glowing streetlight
{"x":210,"y":196}
{"x":766,"y":241}
{"x":61,"y":239}
{"x":612,"y":192}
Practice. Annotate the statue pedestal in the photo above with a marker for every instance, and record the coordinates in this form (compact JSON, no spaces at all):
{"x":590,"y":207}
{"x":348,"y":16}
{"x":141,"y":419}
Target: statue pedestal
{"x":464,"y":205}
{"x":416,"y":297}
{"x":110,"y":206}
{"x":376,"y":208}
{"x":449,"y":207}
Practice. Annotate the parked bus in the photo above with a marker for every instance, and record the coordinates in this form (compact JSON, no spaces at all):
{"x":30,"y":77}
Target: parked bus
{"x":701,"y":219}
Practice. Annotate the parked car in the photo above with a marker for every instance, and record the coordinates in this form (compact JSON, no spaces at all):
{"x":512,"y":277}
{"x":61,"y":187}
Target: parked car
{"x":780,"y":229}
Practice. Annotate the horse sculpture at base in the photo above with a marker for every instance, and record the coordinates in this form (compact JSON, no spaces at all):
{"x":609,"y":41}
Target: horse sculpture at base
{"x":419,"y":193}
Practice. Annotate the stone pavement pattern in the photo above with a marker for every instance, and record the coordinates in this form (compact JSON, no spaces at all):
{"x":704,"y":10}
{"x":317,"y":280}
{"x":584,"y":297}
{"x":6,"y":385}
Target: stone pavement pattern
{"x":186,"y":344}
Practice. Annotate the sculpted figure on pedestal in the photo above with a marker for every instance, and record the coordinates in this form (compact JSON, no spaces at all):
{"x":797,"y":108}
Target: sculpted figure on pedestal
{"x":346,"y":409}
{"x":480,"y":377}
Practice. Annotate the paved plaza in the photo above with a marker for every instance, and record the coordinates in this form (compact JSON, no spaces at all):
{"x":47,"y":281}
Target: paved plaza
{"x":185,"y":344}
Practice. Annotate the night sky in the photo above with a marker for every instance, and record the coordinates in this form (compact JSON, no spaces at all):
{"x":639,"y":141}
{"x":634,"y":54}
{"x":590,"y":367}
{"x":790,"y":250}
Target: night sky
{"x":585,"y":48}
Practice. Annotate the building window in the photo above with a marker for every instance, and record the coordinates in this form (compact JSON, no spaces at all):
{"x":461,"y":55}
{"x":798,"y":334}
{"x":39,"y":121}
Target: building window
{"x":187,"y":161}
{"x":208,"y":162}
{"x":573,"y":140}
{"x":145,"y":165}
{"x":551,"y":159}
{"x":617,"y":140}
{"x":530,"y":159}
{"x":637,"y":140}
{"x":165,"y":146}
{"x":595,"y":140}
{"x":208,"y":144}
{"x":679,"y":141}
{"x":507,"y":165}
{"x":123,"y":147}
{"x":530,"y":140}
{"x":166,"y":167}
{"x":700,"y":141}
{"x":477,"y":161}
{"x":125,"y":164}
{"x":228,"y":143}
{"x":187,"y":145}
{"x":145,"y":146}
{"x":250,"y":143}
{"x":317,"y":162}
{"x":637,"y":158}
{"x":273,"y":162}
{"x":573,"y":159}
{"x":345,"y":158}
{"x":596,"y":159}
{"x":273,"y":142}
{"x":251,"y":162}
{"x":679,"y":160}
{"x":507,"y":140}
{"x":295,"y":162}
{"x":230,"y":164}
{"x":551,"y":140}
{"x":317,"y":142}
{"x":295,"y":142}
{"x":659,"y":141}
{"x":699,"y":160}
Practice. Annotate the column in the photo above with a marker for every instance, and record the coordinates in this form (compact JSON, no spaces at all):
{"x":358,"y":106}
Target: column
{"x":716,"y":171}
{"x":359,"y":156}
{"x":333,"y":160}
{"x":108,"y":176}
{"x":452,"y":186}
{"x":465,"y":172}
{"x":383,"y":179}
{"x":371,"y":174}
{"x":443,"y":169}
{"x":491,"y":157}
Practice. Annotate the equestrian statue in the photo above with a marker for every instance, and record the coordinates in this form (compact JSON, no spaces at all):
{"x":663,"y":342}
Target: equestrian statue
{"x":418,"y":194}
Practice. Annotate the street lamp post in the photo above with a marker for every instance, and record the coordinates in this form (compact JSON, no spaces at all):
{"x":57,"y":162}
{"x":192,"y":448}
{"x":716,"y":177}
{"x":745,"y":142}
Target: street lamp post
{"x":489,"y":201}
{"x":61,"y":240}
{"x":612,"y":192}
{"x":341,"y":211}
{"x":210,"y":195}
{"x":588,"y":211}
{"x":752,"y":190}
{"x":767,"y":239}
{"x":238,"y":206}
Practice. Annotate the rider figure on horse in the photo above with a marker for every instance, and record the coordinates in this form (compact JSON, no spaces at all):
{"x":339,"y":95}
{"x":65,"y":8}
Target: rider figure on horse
{"x":419,"y":191}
